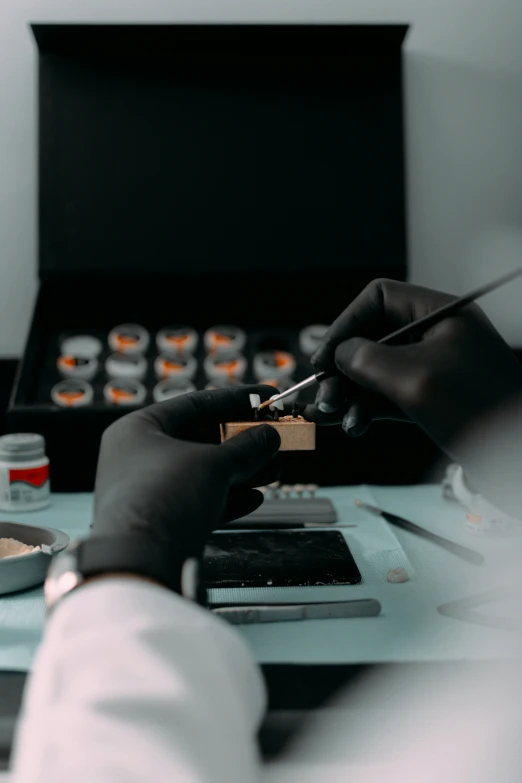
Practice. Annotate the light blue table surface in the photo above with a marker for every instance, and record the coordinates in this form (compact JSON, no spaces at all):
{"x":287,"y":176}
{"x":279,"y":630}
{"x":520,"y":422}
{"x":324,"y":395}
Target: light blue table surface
{"x":409,"y":627}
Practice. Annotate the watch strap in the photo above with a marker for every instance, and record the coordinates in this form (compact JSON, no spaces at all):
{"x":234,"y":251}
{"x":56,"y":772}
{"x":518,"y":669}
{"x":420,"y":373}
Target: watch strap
{"x":134,"y":554}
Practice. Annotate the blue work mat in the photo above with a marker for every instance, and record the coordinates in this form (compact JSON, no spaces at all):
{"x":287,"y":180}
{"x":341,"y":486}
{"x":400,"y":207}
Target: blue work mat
{"x":409,"y":627}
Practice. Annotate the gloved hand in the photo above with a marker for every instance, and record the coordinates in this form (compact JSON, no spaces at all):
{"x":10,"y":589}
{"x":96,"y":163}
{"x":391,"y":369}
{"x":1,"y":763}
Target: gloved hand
{"x":445,"y":380}
{"x":156,"y":480}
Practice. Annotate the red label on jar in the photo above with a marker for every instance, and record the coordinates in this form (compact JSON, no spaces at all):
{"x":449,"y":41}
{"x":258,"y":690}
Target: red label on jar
{"x":35,"y":477}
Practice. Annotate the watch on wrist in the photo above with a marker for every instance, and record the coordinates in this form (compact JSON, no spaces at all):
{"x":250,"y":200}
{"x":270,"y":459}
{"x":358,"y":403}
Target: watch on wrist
{"x":133,"y":554}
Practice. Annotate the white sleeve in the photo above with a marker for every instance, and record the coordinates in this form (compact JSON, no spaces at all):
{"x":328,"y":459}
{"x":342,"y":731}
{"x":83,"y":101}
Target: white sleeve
{"x":134,"y":684}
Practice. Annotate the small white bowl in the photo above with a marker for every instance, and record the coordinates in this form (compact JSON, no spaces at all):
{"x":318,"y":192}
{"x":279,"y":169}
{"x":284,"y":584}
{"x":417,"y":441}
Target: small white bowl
{"x":24,"y":571}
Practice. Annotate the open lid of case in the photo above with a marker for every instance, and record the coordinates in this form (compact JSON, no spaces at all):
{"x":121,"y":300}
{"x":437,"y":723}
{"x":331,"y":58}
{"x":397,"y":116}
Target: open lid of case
{"x":189,"y":149}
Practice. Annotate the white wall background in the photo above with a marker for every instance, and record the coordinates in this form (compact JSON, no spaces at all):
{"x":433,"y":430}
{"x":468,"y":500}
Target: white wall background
{"x":463,"y":120}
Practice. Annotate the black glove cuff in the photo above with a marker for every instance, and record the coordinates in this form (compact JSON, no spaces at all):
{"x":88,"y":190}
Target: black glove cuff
{"x":134,"y":554}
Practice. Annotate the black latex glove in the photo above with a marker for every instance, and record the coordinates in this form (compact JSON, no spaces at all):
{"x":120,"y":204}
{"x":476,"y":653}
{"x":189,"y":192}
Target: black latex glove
{"x":445,"y":380}
{"x":153,"y":479}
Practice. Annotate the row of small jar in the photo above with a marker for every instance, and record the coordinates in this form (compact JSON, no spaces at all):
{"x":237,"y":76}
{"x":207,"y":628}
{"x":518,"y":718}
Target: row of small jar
{"x":134,"y":338}
{"x":121,"y":392}
{"x":180,"y":340}
{"x":79,"y":354}
{"x":267,"y":365}
{"x":175,"y":367}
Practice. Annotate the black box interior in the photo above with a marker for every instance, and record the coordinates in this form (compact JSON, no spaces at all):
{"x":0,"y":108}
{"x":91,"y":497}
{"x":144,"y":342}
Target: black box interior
{"x":207,"y":174}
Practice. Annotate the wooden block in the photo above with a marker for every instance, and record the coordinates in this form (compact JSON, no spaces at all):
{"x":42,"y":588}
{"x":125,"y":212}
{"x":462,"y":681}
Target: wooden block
{"x":296,"y":434}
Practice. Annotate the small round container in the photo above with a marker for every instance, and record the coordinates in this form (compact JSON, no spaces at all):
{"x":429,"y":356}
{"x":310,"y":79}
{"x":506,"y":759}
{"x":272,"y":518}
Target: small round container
{"x":282,"y":384}
{"x":172,"y":387}
{"x":129,"y":338}
{"x":126,"y":365}
{"x":20,"y":573}
{"x":223,"y":369}
{"x":124,"y":392}
{"x":224,"y":340}
{"x":177,"y":339}
{"x":273,"y":364}
{"x":84,"y":345}
{"x":311,"y":337}
{"x":71,"y":366}
{"x":24,"y":473}
{"x":171,"y":365}
{"x":72,"y":394}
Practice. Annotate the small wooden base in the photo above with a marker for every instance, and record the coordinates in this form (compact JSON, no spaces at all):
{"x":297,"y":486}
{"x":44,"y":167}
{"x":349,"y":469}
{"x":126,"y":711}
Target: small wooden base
{"x":296,"y":434}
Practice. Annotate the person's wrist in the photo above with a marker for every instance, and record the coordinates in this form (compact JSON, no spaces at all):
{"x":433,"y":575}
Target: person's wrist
{"x":132,"y":556}
{"x":172,"y":541}
{"x":140,"y":553}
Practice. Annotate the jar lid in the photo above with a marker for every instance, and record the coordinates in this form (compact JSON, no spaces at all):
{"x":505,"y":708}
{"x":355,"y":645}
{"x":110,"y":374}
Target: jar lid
{"x":180,"y":339}
{"x":125,"y":365}
{"x":170,"y":364}
{"x":232,"y":368}
{"x":224,"y":339}
{"x":85,"y":345}
{"x":71,"y":394}
{"x":131,"y":338}
{"x":125,"y":392}
{"x":273,"y":364}
{"x":77,"y":366}
{"x":22,"y":445}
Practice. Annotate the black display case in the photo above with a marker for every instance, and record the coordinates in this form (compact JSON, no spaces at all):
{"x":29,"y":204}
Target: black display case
{"x":206,"y":174}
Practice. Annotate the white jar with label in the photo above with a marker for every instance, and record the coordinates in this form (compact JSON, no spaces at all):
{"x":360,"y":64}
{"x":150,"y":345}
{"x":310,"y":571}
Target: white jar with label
{"x":24,"y":473}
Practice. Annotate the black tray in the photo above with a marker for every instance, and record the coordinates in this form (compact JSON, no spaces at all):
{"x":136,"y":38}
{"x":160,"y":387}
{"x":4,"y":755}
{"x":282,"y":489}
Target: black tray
{"x":309,"y":207}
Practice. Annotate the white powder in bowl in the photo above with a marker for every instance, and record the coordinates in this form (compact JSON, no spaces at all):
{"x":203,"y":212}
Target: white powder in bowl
{"x":10,"y":547}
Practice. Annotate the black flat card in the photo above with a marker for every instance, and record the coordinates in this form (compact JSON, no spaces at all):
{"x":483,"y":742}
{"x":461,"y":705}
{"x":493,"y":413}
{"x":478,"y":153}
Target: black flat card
{"x":278,"y":559}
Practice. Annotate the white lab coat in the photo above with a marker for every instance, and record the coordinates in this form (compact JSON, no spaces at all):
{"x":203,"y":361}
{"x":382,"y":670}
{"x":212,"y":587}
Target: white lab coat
{"x":134,"y":684}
